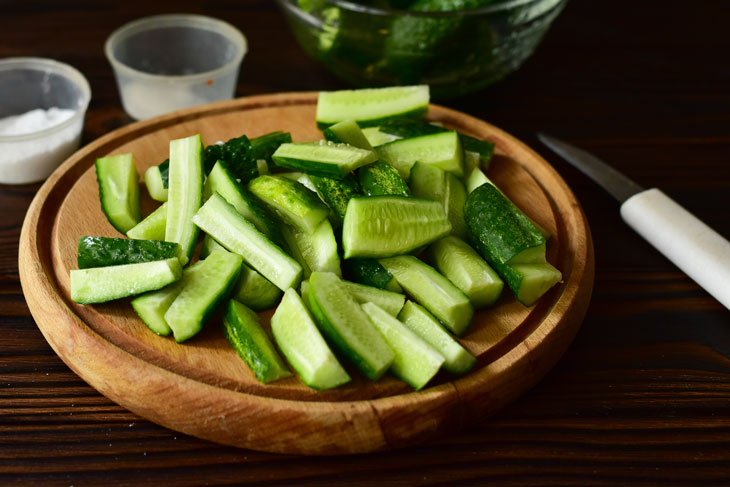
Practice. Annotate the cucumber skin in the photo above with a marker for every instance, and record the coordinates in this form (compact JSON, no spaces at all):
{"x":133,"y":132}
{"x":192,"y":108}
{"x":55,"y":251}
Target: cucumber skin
{"x":245,"y":334}
{"x":497,"y":228}
{"x":370,"y":273}
{"x":265,"y":145}
{"x":336,"y":193}
{"x":237,"y":153}
{"x":380,"y":178}
{"x":107,"y":251}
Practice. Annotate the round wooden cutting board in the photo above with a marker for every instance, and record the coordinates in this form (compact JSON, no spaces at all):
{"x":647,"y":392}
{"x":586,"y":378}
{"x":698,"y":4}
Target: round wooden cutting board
{"x":204,"y":389}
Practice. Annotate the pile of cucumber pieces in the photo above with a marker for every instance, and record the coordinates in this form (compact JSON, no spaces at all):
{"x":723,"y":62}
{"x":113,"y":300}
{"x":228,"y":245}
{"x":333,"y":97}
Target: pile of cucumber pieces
{"x":284,"y":221}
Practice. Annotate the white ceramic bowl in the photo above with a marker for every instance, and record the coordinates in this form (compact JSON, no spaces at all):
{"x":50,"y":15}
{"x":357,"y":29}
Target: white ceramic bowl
{"x":168,"y":62}
{"x":43,"y":86}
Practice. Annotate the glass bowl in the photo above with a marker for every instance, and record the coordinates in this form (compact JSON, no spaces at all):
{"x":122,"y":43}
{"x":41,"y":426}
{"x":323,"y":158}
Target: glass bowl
{"x":42,"y":108}
{"x":456,"y":52}
{"x":169,"y":62}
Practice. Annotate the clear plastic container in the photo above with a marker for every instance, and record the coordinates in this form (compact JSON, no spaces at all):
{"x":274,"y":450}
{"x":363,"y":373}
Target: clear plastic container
{"x":43,"y":87}
{"x":168,"y":62}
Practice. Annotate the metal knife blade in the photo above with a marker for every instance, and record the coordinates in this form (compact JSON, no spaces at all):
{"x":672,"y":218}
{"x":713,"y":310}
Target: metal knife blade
{"x":618,"y":185}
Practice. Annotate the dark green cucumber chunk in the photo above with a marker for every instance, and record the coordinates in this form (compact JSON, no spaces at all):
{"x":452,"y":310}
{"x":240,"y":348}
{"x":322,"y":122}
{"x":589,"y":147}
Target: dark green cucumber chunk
{"x":467,"y":270}
{"x":105,"y":251}
{"x":101,"y":284}
{"x":346,"y":326}
{"x":371,"y":106}
{"x":424,"y":324}
{"x":432,"y":290}
{"x":245,"y":334}
{"x":380,"y":178}
{"x":265,"y":145}
{"x":504,"y":234}
{"x":185,"y":193}
{"x":415,"y":361}
{"x":220,"y":220}
{"x":208,"y":287}
{"x":323,"y":158}
{"x":442,"y":150}
{"x":336,"y":193}
{"x":119,"y":191}
{"x":290,"y":201}
{"x":381,"y":226}
{"x":370,"y":273}
{"x":237,"y":154}
{"x":303,"y":345}
{"x":152,"y":227}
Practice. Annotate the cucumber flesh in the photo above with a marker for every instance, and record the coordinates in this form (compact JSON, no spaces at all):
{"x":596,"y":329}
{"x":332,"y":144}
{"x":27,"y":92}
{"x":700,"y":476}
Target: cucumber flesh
{"x":457,"y":359}
{"x":371,"y":106}
{"x":152,"y":227}
{"x":316,"y":251}
{"x":466,"y":269}
{"x":454,"y":206}
{"x":415,"y":362}
{"x":254,"y":290}
{"x":475,"y":179}
{"x":442,"y":150}
{"x":209,"y":286}
{"x":101,"y":284}
{"x":529,"y":281}
{"x":500,"y":231}
{"x":323,"y":158}
{"x":377,"y":138}
{"x":152,"y":306}
{"x":209,"y":246}
{"x":185,"y":192}
{"x":303,"y":346}
{"x":153,"y":181}
{"x":290,"y":201}
{"x":432,"y":290}
{"x":347,"y":132}
{"x":245,"y":334}
{"x":387,"y":300}
{"x":105,"y":251}
{"x":222,"y":222}
{"x":381,"y":226}
{"x":119,"y":191}
{"x":346,"y":326}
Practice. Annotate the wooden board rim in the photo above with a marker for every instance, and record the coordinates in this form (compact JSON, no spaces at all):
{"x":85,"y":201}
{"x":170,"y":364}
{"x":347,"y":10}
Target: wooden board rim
{"x":347,"y":426}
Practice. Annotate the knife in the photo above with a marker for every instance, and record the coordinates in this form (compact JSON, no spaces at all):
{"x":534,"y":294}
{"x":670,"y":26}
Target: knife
{"x":698,"y":250}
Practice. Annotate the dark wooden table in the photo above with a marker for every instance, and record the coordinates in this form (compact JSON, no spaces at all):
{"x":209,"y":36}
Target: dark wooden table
{"x":642,"y":397}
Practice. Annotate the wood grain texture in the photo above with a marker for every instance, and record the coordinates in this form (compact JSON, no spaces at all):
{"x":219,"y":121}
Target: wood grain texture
{"x":641,"y":397}
{"x":204,"y":389}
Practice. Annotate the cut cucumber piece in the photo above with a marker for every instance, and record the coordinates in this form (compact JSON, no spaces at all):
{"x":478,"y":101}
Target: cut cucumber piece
{"x":432,"y":290}
{"x":245,"y":334}
{"x":529,"y":281}
{"x":152,"y":306}
{"x":377,"y":138}
{"x":222,"y":222}
{"x":370,"y":106}
{"x":454,"y":206}
{"x":221,"y":181}
{"x":347,"y":132}
{"x":336,"y":193}
{"x":303,"y":346}
{"x":500,"y":231}
{"x":323,"y":158}
{"x":346,"y":326}
{"x":380,"y":178}
{"x":415,"y":362}
{"x":381,"y":226}
{"x":119,"y":191}
{"x":152,"y":227}
{"x":290,"y":201}
{"x":209,"y":246}
{"x":165,"y":172}
{"x":316,"y":251}
{"x":434,"y":183}
{"x":238,"y":156}
{"x":370,"y":273}
{"x":442,"y":150}
{"x":106,"y":251}
{"x":101,"y":284}
{"x":254,"y":290}
{"x":475,"y":179}
{"x":208,"y":287}
{"x":264,"y":147}
{"x":424,"y":324}
{"x":466,"y":269}
{"x":185,"y":193}
{"x":387,"y":300}
{"x":153,"y":181}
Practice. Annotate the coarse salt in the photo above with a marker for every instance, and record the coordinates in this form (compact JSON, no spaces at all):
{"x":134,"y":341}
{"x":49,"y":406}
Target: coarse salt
{"x":25,"y":160}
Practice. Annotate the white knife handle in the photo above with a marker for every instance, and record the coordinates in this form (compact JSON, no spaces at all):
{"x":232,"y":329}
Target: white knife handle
{"x":702,"y":253}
